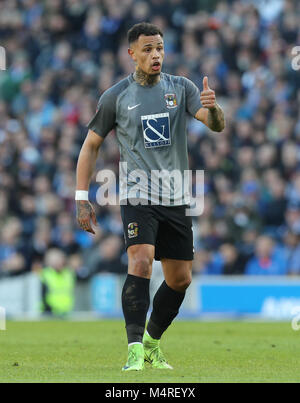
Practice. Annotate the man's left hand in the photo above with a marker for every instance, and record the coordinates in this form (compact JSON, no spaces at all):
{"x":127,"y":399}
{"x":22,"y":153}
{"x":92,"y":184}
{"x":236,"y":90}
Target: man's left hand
{"x":207,"y":96}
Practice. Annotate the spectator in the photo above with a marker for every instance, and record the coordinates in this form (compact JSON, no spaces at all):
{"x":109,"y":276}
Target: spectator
{"x":228,"y":261}
{"x":12,"y":251}
{"x":58,"y":283}
{"x":107,"y":257}
{"x":273,"y":204}
{"x":292,"y":242}
{"x":268,"y":260}
{"x":233,"y":261}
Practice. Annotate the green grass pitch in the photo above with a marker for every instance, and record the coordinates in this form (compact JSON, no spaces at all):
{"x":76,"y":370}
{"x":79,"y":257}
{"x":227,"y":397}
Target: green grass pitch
{"x":58,"y":351}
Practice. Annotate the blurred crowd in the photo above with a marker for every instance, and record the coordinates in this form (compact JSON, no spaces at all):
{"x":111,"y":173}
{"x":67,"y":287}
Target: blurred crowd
{"x":62,"y":55}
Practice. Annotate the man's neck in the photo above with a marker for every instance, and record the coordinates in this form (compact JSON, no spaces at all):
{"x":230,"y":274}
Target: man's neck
{"x":145,"y":79}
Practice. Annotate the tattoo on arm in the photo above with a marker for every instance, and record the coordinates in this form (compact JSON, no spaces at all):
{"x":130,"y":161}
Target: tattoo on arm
{"x":215,"y":119}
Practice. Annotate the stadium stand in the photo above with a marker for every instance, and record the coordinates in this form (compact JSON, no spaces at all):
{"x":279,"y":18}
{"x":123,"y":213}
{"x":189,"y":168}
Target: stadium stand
{"x":62,"y":55}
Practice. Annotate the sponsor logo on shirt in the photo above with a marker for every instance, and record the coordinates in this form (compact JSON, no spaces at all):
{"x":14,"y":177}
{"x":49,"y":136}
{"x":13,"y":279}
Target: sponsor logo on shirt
{"x":156,"y":130}
{"x":171,"y":100}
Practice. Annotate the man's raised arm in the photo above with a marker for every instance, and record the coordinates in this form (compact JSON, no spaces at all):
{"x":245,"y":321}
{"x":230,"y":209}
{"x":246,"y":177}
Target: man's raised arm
{"x":85,"y":168}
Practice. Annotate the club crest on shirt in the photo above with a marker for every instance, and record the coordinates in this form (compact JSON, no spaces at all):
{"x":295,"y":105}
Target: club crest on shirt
{"x":133,"y":230}
{"x":171,"y":100}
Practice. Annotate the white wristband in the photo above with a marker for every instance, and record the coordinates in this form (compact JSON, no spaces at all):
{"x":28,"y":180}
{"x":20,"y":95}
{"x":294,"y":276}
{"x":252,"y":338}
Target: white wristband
{"x":82,"y":195}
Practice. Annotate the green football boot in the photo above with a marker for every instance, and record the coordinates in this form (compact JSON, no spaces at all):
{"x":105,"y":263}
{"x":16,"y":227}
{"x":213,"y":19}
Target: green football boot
{"x":153,"y":353}
{"x":135,"y":361}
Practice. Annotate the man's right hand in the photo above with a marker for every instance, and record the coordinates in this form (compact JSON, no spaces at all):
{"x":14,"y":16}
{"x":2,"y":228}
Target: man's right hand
{"x":85,"y":213}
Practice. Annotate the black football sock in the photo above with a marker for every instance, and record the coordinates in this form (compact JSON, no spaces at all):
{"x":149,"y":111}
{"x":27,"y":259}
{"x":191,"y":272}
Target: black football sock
{"x":166,"y":304}
{"x":135,"y":304}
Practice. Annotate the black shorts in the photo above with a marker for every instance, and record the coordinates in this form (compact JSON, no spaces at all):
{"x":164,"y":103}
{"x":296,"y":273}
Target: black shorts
{"x":167,"y":228}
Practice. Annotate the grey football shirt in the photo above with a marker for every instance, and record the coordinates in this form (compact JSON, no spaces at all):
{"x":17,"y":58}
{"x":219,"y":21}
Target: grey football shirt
{"x":151,"y":129}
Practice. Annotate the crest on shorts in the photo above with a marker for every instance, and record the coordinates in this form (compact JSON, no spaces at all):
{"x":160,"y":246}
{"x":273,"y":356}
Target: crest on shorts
{"x":171,"y":100}
{"x":133,"y":230}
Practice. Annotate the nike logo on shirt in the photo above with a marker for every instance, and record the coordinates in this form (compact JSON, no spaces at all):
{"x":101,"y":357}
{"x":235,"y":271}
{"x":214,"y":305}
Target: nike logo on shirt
{"x":132,"y":107}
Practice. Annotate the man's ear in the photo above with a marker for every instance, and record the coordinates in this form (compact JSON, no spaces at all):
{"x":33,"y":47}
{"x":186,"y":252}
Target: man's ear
{"x":131,"y":54}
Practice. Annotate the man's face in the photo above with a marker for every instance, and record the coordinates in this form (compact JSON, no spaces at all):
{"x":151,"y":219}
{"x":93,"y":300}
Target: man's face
{"x":148,"y":53}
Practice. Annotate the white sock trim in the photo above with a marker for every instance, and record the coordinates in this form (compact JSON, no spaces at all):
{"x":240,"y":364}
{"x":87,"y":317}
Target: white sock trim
{"x":135,"y":342}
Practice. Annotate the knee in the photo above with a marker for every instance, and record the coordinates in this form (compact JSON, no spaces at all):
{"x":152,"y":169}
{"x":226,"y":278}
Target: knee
{"x":185,"y":283}
{"x":140,"y":263}
{"x":181,"y":284}
{"x":142,"y":266}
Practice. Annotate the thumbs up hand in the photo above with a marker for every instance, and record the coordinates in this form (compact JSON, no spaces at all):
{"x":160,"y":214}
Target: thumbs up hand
{"x":207,"y":96}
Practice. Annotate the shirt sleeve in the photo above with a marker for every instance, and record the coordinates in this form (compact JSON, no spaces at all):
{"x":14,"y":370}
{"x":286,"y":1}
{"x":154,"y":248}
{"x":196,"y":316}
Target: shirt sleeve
{"x":104,"y":119}
{"x":192,"y":94}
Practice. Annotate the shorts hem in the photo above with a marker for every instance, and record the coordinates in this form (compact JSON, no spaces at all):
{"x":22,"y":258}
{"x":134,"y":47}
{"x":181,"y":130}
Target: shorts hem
{"x":186,"y":258}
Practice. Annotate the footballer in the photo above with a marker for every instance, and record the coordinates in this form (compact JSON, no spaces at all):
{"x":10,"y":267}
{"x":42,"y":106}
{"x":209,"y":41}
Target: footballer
{"x":149,"y":111}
